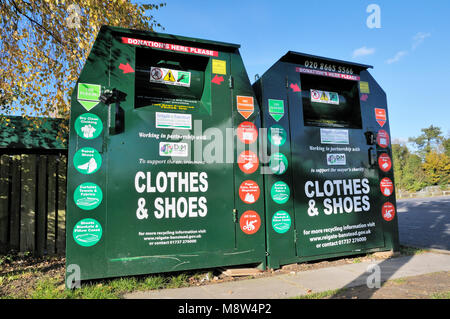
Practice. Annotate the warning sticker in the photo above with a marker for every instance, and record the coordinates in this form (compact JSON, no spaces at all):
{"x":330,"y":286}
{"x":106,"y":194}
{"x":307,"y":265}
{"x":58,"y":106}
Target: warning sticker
{"x":318,"y":96}
{"x":245,"y":106}
{"x":380,"y":116}
{"x":170,"y":77}
{"x":219,"y":66}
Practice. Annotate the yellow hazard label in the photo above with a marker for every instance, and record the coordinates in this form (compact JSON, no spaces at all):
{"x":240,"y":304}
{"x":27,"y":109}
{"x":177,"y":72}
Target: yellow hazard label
{"x":324,"y":97}
{"x":169,"y":76}
{"x":364,"y":87}
{"x":219,"y":66}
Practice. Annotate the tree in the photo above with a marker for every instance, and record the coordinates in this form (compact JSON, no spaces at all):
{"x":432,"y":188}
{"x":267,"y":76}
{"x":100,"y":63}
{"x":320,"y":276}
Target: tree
{"x":45,"y":43}
{"x":408,"y":172}
{"x":437,"y":168}
{"x":446,"y":145}
{"x":430,"y":139}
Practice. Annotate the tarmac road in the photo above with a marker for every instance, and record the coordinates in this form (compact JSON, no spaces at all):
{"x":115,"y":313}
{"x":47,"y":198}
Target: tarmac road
{"x":424,"y":222}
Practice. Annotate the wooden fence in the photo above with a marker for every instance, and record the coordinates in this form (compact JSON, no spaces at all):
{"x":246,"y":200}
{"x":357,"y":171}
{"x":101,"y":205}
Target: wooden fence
{"x":33,"y":203}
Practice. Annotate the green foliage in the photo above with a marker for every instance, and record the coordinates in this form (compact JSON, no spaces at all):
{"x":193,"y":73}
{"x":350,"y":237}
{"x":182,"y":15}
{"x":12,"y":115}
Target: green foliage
{"x":44,"y":44}
{"x":428,"y":166}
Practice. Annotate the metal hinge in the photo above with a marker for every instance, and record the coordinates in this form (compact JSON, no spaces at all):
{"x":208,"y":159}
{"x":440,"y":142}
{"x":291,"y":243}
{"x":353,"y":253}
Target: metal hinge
{"x":230,"y":82}
{"x":235,"y":212}
{"x":295,"y":236}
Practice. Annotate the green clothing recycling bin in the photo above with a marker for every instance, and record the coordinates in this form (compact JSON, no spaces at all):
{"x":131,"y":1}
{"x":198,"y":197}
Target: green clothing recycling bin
{"x":163,"y":166}
{"x":331,"y":189}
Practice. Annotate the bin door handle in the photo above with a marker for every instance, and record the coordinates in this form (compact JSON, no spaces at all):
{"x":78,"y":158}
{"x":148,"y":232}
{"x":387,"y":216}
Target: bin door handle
{"x":370,"y":138}
{"x":115,"y":113}
{"x":372,"y":156}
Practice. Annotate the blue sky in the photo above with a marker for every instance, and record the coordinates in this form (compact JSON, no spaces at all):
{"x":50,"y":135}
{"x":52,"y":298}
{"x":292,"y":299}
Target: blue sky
{"x":410,"y":52}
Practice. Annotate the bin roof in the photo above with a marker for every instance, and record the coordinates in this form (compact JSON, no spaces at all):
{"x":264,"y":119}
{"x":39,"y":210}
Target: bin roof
{"x":177,"y":38}
{"x":296,"y":57}
{"x":17,"y":132}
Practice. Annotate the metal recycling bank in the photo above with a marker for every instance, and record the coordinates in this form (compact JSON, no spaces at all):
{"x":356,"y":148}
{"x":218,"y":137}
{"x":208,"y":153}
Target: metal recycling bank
{"x":176,"y":162}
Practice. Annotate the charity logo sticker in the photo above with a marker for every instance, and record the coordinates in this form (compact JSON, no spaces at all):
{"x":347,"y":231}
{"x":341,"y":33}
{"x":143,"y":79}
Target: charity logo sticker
{"x":245,"y":105}
{"x":249,"y":192}
{"x":250,"y":222}
{"x":388,"y":211}
{"x":88,"y":126}
{"x":336,"y":159}
{"x":276,"y":109}
{"x":278,"y":163}
{"x":277,"y":135}
{"x":280,"y":192}
{"x":173,"y":149}
{"x":281,"y":221}
{"x":88,"y":196}
{"x":87,"y":232}
{"x":248,"y":162}
{"x":88,"y":95}
{"x":384,"y":162}
{"x":87,"y":160}
{"x":247,"y":132}
{"x":386,"y":186}
{"x":383,"y":138}
{"x":380,"y":116}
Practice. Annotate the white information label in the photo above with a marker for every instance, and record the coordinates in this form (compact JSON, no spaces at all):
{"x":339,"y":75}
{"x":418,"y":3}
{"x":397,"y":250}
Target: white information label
{"x":173,"y":120}
{"x":333,"y":136}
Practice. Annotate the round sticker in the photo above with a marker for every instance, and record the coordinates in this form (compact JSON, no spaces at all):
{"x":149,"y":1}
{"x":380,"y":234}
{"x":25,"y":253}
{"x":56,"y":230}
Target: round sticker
{"x":87,"y":232}
{"x":248,"y":162}
{"x":388,"y":211}
{"x":277,"y":135}
{"x":249,"y":192}
{"x":87,"y":160}
{"x":88,"y":196}
{"x":247,"y":132}
{"x":281,"y":221}
{"x":250,"y":222}
{"x":278,"y":163}
{"x":386,"y":186}
{"x":383,"y":138}
{"x":280,"y":192}
{"x":384,"y":162}
{"x":88,"y":126}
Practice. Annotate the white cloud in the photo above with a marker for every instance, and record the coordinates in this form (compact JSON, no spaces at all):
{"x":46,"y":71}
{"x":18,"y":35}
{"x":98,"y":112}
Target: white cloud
{"x":363,"y":52}
{"x":419,"y":38}
{"x":397,"y":57}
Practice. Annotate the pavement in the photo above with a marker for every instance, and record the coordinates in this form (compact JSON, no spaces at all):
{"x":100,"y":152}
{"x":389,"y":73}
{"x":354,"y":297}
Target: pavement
{"x":424,"y":222}
{"x":301,"y":283}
